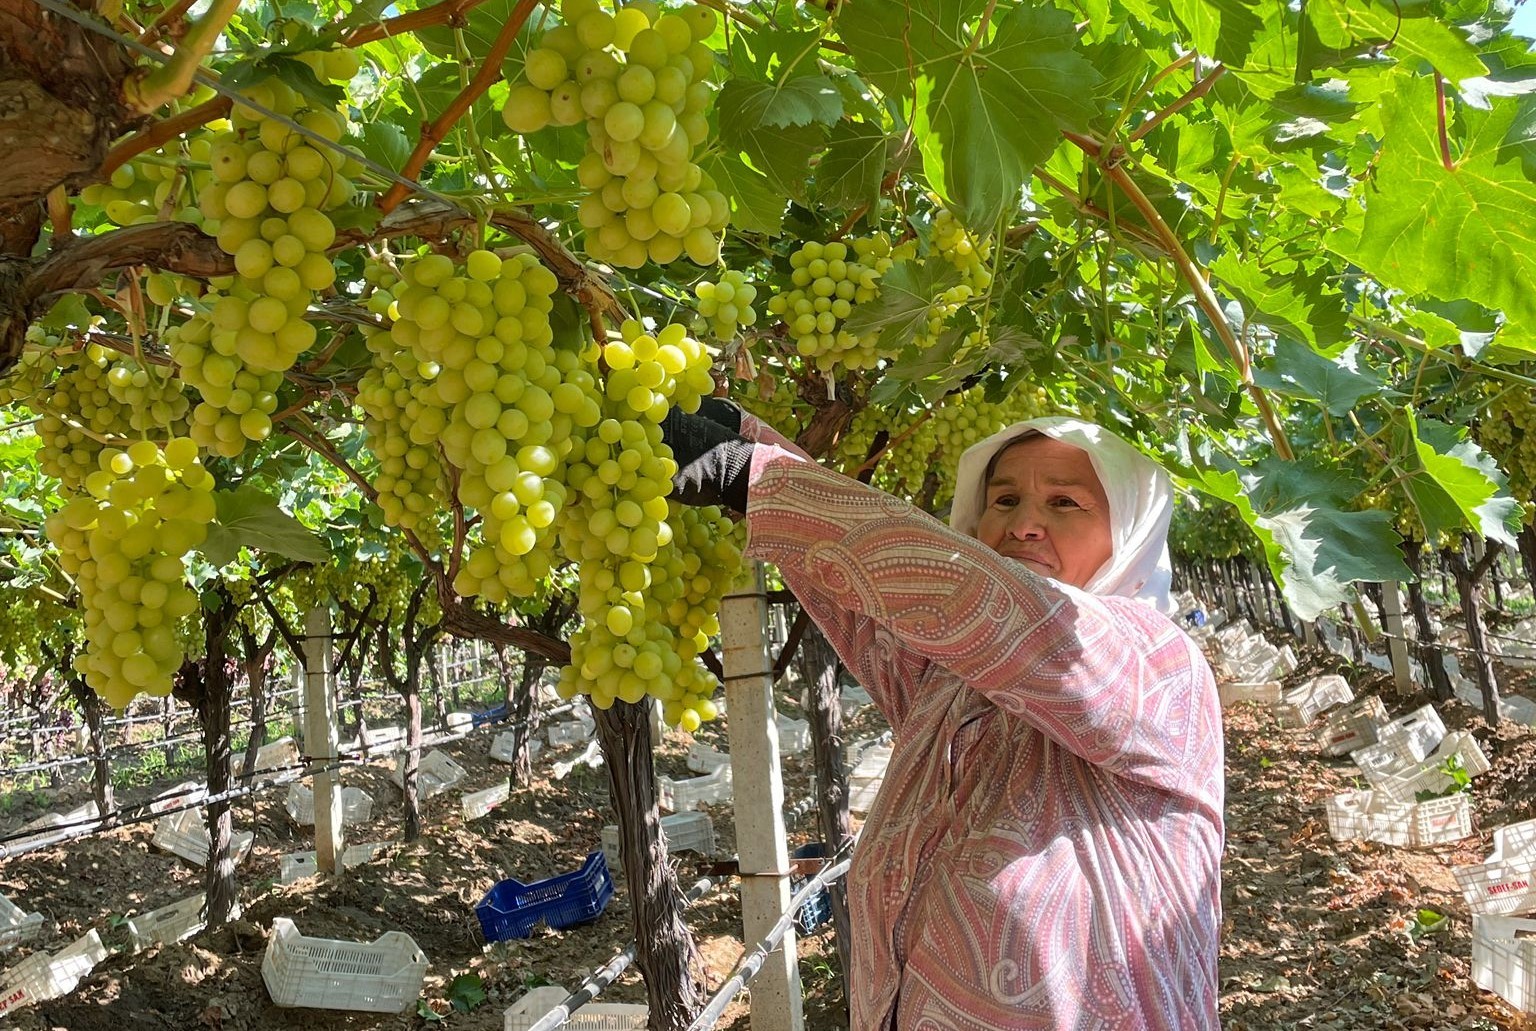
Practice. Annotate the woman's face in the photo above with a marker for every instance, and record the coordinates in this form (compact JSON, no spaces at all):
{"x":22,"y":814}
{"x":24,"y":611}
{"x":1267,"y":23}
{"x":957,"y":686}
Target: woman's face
{"x":1046,"y":508}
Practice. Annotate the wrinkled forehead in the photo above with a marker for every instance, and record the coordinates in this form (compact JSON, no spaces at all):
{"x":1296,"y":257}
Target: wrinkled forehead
{"x":1067,"y":450}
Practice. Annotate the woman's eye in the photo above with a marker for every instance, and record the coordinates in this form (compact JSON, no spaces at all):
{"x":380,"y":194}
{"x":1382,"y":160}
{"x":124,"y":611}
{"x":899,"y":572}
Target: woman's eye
{"x":1003,"y":501}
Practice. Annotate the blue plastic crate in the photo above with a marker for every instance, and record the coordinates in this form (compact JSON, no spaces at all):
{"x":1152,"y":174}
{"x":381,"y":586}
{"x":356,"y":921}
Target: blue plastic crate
{"x":496,"y":715}
{"x":512,"y":909}
{"x":817,"y":909}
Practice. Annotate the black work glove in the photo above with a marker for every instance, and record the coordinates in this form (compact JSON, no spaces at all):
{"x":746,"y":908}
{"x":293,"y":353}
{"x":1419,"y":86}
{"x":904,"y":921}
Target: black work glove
{"x":712,"y":461}
{"x":723,"y":411}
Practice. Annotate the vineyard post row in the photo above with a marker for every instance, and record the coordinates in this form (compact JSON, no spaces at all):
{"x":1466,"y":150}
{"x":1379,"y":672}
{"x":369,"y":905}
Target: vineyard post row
{"x":1414,"y":660}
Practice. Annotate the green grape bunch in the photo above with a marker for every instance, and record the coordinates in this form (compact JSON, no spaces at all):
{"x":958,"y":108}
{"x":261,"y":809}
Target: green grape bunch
{"x":124,"y":541}
{"x":638,"y":80}
{"x":725,"y":305}
{"x":827,"y":281}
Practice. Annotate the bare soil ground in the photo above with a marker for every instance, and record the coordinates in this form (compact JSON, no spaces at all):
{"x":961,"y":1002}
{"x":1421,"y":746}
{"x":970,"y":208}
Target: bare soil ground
{"x":1317,"y":934}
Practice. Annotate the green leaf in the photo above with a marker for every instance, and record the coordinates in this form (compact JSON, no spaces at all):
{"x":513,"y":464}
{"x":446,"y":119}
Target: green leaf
{"x":850,"y":171}
{"x":465,"y":992}
{"x":249,"y":518}
{"x":1337,"y":384}
{"x":1465,"y":233}
{"x":757,"y":205}
{"x":1409,"y":28}
{"x":907,"y":291}
{"x":1452,"y":481}
{"x":985,"y":116}
{"x":749,"y":104}
{"x":1293,"y":303}
{"x":385,"y":143}
{"x":1223,"y":29}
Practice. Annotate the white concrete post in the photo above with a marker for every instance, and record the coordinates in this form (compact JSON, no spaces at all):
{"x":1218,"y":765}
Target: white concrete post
{"x":320,"y":744}
{"x":1397,"y":641}
{"x":761,"y":845}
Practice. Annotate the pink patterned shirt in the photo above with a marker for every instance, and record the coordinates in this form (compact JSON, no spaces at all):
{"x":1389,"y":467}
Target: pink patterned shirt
{"x":1045,"y":851}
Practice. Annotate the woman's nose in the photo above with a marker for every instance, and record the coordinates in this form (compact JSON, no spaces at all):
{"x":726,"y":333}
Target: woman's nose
{"x":1026,"y":523}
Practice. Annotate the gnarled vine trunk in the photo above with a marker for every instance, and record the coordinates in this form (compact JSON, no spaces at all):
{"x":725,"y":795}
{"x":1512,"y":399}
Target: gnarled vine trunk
{"x":665,"y":951}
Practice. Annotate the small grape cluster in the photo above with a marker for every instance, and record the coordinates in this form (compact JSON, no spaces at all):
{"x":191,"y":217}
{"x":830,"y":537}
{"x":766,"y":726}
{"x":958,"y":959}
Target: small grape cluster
{"x":827,"y":280}
{"x":725,"y":306}
{"x":267,"y":208}
{"x":124,"y":542}
{"x":155,"y":185}
{"x":638,"y":79}
{"x":971,"y":257}
{"x":1507,"y":431}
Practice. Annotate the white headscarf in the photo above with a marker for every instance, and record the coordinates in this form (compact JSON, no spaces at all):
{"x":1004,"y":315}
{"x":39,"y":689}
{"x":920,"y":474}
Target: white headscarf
{"x":1140,"y":503}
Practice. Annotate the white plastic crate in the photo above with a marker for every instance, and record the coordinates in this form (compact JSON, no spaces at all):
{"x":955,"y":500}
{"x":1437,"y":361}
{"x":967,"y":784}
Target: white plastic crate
{"x":385,"y":740}
{"x":277,"y":754}
{"x":1365,"y":814}
{"x":459,"y":724}
{"x":1404,"y":783}
{"x":686,"y":832}
{"x":169,"y":924}
{"x":382,"y":976}
{"x":1352,"y":728}
{"x":503,"y":743}
{"x":435,"y":773}
{"x":530,"y":1008}
{"x":17,"y":925}
{"x":864,"y":779}
{"x":183,"y":834}
{"x":1442,"y":820}
{"x":794,"y":735}
{"x":298,"y":865}
{"x":188,"y":792}
{"x":1267,"y":693}
{"x":681,"y":796}
{"x":478,"y":803}
{"x":41,"y":976}
{"x":1504,"y":958}
{"x":1505,"y":883}
{"x":356,"y":805}
{"x":569,"y":732}
{"x":1415,"y":735}
{"x":1306,"y":702}
{"x":703,"y":759}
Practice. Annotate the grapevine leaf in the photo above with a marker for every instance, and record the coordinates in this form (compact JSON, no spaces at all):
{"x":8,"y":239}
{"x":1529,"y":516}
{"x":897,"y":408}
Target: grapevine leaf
{"x":1353,"y":26}
{"x":67,"y":311}
{"x":907,"y":291}
{"x":1452,"y":481}
{"x":757,"y":206}
{"x":850,"y":172}
{"x":1292,"y":303}
{"x":247,"y":517}
{"x":1469,"y":232}
{"x":385,"y":143}
{"x":782,"y":153}
{"x":466,"y":992}
{"x":1337,"y":384}
{"x":746,"y":104}
{"x":987,"y":115}
{"x":1224,"y":29}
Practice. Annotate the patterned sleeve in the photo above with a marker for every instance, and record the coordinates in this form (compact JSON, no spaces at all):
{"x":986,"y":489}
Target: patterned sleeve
{"x":896,"y":590}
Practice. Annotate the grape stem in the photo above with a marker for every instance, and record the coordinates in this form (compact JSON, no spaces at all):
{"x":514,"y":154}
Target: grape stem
{"x":449,"y":12}
{"x":146,"y":93}
{"x":1191,"y":95}
{"x":1440,"y":130}
{"x":161,"y":133}
{"x":1110,"y":160}
{"x":1089,"y":208}
{"x":431,"y":135}
{"x":874,"y":459}
{"x":60,"y":215}
{"x":164,"y":20}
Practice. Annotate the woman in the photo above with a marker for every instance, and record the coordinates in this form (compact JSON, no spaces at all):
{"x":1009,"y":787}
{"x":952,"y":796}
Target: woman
{"x":1045,"y":850}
